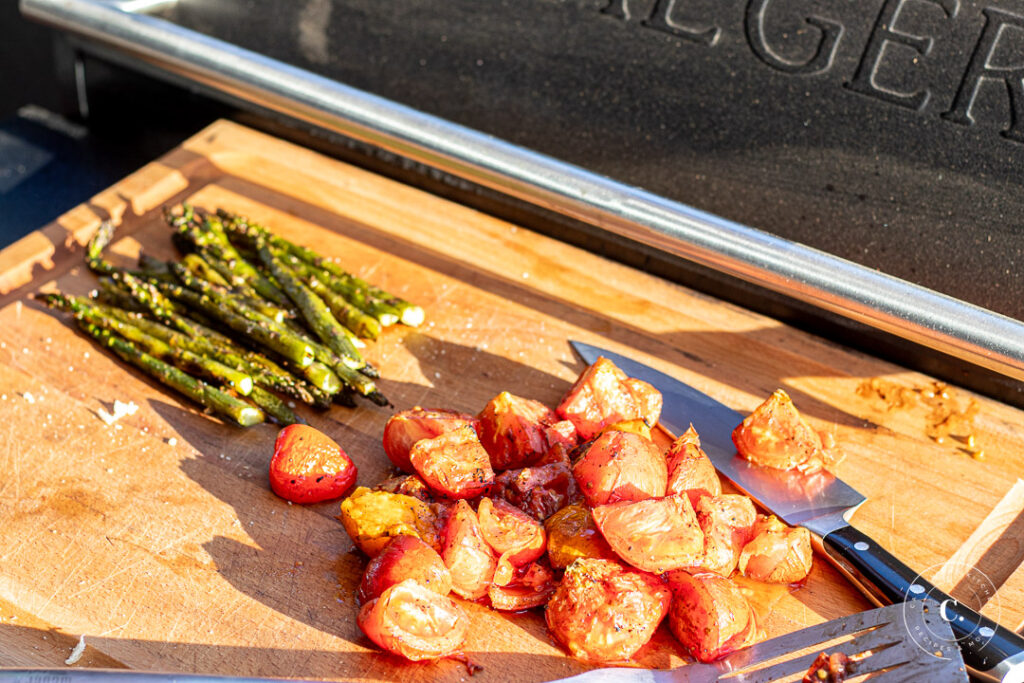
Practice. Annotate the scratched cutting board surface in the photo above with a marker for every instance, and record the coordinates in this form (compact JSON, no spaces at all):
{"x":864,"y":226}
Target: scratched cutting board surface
{"x":159,"y":541}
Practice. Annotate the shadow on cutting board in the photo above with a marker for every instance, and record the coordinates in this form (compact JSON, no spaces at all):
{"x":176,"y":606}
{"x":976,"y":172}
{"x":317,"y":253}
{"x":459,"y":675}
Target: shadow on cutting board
{"x":229,"y":660}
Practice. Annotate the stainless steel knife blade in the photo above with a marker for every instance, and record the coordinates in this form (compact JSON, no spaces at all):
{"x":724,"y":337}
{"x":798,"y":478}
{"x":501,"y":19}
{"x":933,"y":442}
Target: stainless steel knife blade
{"x":820,"y":501}
{"x":824,"y":504}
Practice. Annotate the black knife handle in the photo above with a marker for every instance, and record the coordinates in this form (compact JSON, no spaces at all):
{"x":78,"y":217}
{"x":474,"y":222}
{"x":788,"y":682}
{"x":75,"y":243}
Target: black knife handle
{"x":992,"y":652}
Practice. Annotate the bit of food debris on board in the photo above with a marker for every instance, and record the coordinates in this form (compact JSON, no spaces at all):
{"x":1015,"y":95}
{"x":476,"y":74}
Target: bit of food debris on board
{"x":76,"y":653}
{"x":120,"y":410}
{"x":946,"y":418}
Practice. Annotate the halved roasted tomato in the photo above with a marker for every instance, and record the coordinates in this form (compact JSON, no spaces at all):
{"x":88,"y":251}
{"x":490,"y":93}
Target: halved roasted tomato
{"x":413,"y":621}
{"x":603,"y":394}
{"x":690,"y":470}
{"x":513,"y":430}
{"x":620,"y":466}
{"x":776,"y":553}
{"x":654,"y":535}
{"x":466,"y":554}
{"x":539,"y":491}
{"x":454,"y":464}
{"x":776,"y":435}
{"x":603,"y":612}
{"x":709,"y":615}
{"x":372,"y":518}
{"x":518,"y":538}
{"x":407,"y":427}
{"x":726,"y":521}
{"x":572,"y":534}
{"x":531,"y":586}
{"x":404,"y":557}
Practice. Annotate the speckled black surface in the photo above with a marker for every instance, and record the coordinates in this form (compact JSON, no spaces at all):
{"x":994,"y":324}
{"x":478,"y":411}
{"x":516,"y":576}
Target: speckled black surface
{"x":801,"y":155}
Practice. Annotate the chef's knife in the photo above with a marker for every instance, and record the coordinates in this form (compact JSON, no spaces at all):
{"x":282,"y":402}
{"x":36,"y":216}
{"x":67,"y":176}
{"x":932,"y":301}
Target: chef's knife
{"x":823,"y":504}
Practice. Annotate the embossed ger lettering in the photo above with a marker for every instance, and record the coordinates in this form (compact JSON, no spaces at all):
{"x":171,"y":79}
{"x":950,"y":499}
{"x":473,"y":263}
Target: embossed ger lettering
{"x":887,"y":30}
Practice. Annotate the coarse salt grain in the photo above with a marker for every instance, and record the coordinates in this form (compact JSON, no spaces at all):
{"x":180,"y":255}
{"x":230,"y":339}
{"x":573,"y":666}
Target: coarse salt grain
{"x":29,"y":397}
{"x":172,"y":441}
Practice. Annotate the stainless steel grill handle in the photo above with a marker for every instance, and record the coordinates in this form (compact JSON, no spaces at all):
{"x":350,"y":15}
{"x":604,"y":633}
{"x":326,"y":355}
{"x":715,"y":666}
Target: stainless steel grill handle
{"x":934,"y":320}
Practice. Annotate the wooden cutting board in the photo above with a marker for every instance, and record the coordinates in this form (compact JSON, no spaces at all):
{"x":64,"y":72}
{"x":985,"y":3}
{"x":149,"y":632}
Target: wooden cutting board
{"x":158,"y":540}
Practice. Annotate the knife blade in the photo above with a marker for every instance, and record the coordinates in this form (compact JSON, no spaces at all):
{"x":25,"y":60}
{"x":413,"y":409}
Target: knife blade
{"x":823,"y":504}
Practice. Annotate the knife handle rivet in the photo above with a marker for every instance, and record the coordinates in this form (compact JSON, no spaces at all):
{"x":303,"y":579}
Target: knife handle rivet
{"x":916,"y":588}
{"x":986,"y":632}
{"x":861,"y":545}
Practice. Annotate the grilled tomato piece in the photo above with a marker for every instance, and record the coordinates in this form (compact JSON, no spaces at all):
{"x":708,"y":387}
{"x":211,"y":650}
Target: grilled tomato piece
{"x":603,"y":395}
{"x":453,"y":464}
{"x":690,"y":470}
{"x":620,"y":466}
{"x":466,"y":554}
{"x":513,"y":430}
{"x":539,"y":491}
{"x":404,"y":557}
{"x":776,"y":553}
{"x":410,"y":620}
{"x":372,"y":518}
{"x":407,"y":427}
{"x":407,"y":485}
{"x":603,"y":612}
{"x":776,"y":435}
{"x":654,"y":535}
{"x":309,"y":467}
{"x":572,"y":534}
{"x":531,"y":586}
{"x":709,"y":615}
{"x":517,"y":537}
{"x":726,"y":521}
{"x":562,"y":432}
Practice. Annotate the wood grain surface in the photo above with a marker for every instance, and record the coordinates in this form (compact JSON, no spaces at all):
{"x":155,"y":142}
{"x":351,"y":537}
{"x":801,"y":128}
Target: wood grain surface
{"x":159,"y":541}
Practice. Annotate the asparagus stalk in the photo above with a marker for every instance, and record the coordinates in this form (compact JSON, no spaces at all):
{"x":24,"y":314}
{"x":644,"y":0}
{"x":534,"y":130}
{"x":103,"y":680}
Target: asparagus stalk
{"x":225,"y":405}
{"x":409,"y":313}
{"x":314,"y":311}
{"x":264,"y":372}
{"x":277,"y":339}
{"x":210,"y":236}
{"x":275,"y":408}
{"x":348,"y":315}
{"x":183,"y":358}
{"x":292,"y":254}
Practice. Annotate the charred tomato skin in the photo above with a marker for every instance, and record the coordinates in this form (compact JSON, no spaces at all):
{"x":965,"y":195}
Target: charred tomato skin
{"x":654,"y":535}
{"x":603,"y":612}
{"x":540,"y":491}
{"x":404,"y":557}
{"x":709,"y":615}
{"x":414,"y":622}
{"x":454,"y":465}
{"x":619,"y":466}
{"x":405,"y":428}
{"x":309,"y":467}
